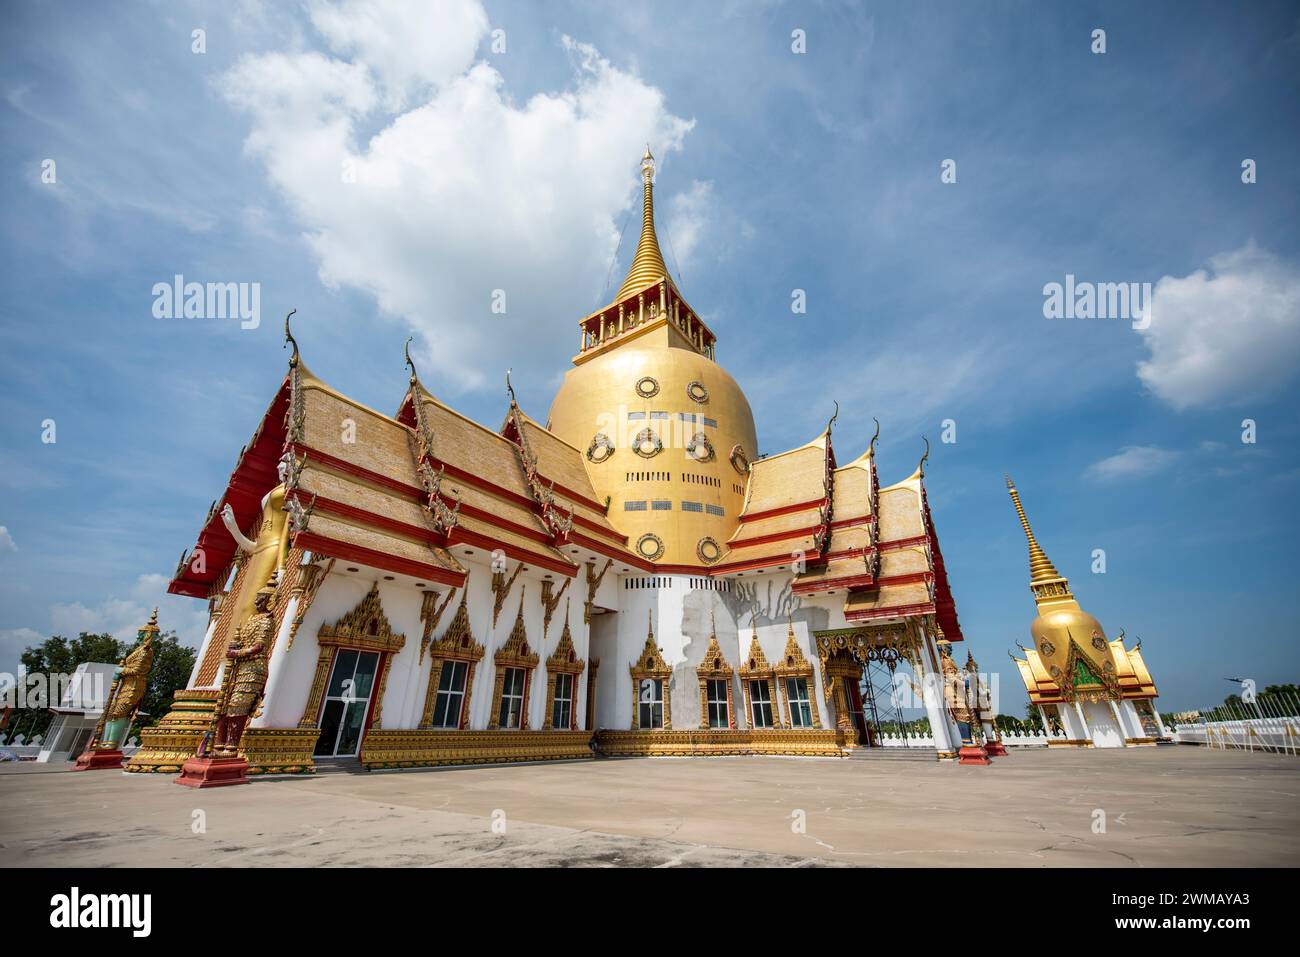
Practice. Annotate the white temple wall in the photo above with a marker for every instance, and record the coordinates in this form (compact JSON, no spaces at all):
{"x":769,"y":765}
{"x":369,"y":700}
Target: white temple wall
{"x":1075,"y":729}
{"x":1106,"y":732}
{"x":1132,"y":723}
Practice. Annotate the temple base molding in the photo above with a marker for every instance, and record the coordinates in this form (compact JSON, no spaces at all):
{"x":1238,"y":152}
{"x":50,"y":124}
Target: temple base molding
{"x":827,"y":743}
{"x":427,"y":747}
{"x":279,"y":750}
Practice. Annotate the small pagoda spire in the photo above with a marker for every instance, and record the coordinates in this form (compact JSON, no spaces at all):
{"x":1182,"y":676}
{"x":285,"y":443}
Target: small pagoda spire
{"x":648,"y":263}
{"x":1041,"y":568}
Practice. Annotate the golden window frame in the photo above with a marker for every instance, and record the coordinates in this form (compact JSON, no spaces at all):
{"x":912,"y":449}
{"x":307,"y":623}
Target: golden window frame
{"x":364,"y":628}
{"x":757,"y":668}
{"x":651,"y":664}
{"x":456,"y":644}
{"x":563,"y":661}
{"x":515,"y":653}
{"x":714,"y":667}
{"x":794,"y":664}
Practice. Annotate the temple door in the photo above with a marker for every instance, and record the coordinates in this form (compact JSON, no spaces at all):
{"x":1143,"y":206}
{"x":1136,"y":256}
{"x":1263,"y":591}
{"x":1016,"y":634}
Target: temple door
{"x":347,"y":703}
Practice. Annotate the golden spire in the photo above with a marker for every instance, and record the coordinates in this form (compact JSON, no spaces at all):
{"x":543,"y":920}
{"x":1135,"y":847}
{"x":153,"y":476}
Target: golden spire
{"x":1041,"y":568}
{"x":648,"y":263}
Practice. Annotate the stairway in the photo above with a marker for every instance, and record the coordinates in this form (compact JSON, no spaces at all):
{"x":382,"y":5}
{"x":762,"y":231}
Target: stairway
{"x":893,"y":754}
{"x":339,"y":766}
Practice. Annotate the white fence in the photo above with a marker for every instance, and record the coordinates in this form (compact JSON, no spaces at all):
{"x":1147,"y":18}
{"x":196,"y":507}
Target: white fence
{"x":1249,"y":734}
{"x":1012,"y":739}
{"x":28,"y":751}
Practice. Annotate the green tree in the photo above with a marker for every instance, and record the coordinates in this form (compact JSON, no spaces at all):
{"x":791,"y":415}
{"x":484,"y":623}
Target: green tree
{"x":57,"y":655}
{"x":172,"y":664}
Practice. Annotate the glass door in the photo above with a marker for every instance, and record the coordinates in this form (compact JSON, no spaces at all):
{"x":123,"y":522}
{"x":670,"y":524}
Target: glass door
{"x":347,"y":702}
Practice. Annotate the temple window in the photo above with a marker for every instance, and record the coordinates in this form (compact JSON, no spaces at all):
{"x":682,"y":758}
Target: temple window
{"x":562,"y":703}
{"x":714,"y":675}
{"x":650,"y":713}
{"x":515,"y":662}
{"x":796,"y":693}
{"x":651,"y":707}
{"x":448,"y":710}
{"x":562,"y":670}
{"x":719,"y":704}
{"x":795,"y":673}
{"x":452,"y":661}
{"x":511,"y":711}
{"x":760,"y":705}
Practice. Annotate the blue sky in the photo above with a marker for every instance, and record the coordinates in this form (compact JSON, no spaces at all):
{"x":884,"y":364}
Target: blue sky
{"x":480,"y":169}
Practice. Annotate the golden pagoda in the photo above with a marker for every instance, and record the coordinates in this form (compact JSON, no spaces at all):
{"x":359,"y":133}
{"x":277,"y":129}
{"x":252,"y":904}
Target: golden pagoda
{"x":1096,"y":692}
{"x":661,"y":422}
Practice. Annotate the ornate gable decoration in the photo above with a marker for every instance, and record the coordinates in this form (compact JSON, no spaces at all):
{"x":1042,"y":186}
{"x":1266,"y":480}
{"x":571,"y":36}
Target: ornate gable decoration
{"x":516,"y":653}
{"x":458,"y":641}
{"x":565,"y":657}
{"x":651,"y":662}
{"x":714,"y":664}
{"x":365,"y":627}
{"x":755,"y":664}
{"x":793,"y":663}
{"x":1082,"y":680}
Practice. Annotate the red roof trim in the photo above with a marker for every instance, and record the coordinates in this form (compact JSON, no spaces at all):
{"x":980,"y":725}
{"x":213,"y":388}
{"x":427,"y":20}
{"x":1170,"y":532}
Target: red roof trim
{"x":784,"y":510}
{"x":368,"y":556}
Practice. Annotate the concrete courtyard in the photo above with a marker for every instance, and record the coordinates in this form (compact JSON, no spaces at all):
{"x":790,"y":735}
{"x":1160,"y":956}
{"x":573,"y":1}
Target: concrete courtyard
{"x":1169,"y":806}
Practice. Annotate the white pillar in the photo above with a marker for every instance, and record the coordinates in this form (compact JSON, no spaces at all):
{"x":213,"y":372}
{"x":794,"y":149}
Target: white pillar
{"x":1083,"y":722}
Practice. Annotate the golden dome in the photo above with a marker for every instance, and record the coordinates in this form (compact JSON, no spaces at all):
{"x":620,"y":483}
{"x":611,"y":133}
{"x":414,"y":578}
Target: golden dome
{"x":658,"y":417}
{"x":673,"y":493}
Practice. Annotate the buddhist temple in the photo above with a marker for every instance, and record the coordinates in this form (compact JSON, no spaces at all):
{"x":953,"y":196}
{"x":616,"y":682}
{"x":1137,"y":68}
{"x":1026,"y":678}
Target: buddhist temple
{"x":628,"y":578}
{"x":1096,"y":691}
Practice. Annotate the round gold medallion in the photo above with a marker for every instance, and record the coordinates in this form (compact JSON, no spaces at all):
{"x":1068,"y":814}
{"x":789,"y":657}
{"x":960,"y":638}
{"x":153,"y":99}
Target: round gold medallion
{"x":600,"y":449}
{"x":647,"y":387}
{"x":739,"y":460}
{"x":708,"y":550}
{"x":650,"y":546}
{"x":696,"y":392}
{"x":647,"y":444}
{"x":700,"y":448}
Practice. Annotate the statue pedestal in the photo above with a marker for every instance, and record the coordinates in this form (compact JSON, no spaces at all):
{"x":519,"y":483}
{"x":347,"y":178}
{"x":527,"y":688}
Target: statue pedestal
{"x":213,"y":772}
{"x":99,"y":759}
{"x":995,"y":749}
{"x":973,"y":754}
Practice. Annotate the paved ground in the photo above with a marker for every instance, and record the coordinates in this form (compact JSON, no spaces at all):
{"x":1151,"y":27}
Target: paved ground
{"x":1177,"y":806}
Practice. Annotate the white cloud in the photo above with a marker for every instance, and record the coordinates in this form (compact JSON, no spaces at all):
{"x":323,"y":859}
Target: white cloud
{"x":123,"y":617}
{"x":393,"y":38}
{"x":13,"y":642}
{"x":689,"y":216}
{"x":1133,"y":461}
{"x":464,"y":193}
{"x":7,"y":543}
{"x":1227,"y":334}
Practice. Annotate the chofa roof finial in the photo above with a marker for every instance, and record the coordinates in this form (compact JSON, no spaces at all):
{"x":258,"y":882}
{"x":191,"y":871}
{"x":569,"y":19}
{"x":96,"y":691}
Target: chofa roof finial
{"x":409,"y":363}
{"x":872,"y":447}
{"x":510,"y":389}
{"x":289,"y":339}
{"x":835,"y":416}
{"x":920,"y":466}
